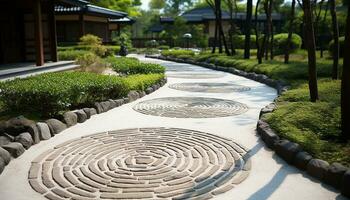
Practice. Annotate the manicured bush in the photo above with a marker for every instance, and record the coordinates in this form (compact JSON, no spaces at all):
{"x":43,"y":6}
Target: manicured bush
{"x":50,"y":93}
{"x":177,"y":53}
{"x":164,"y":47}
{"x":90,"y":40}
{"x":90,"y":62}
{"x":239,"y":40}
{"x":112,"y":50}
{"x":341,"y":47}
{"x":280,"y":43}
{"x":133,"y":66}
{"x":53,"y":92}
{"x":70,"y":54}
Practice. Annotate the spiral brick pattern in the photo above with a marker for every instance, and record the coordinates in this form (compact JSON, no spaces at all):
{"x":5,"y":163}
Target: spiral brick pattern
{"x":209,"y":87}
{"x":145,"y":163}
{"x":190,"y":107}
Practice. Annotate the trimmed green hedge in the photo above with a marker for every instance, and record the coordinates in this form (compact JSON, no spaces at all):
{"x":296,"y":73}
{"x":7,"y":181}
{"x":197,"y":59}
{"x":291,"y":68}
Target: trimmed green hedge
{"x":239,"y":40}
{"x":53,"y":92}
{"x":341,"y":47}
{"x":178,"y":53}
{"x":71,"y":54}
{"x":280,"y":43}
{"x":125,"y":65}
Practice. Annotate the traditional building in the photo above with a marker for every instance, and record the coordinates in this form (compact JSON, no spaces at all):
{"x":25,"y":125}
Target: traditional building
{"x":206,"y":17}
{"x":76,"y":21}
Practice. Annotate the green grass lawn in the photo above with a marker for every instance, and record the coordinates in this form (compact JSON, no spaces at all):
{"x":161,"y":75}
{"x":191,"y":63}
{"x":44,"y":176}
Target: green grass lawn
{"x":315,"y":126}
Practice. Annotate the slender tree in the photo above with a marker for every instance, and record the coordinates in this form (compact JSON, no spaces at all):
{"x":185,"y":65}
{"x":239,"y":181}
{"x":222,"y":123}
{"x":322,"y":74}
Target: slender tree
{"x":231,"y":4}
{"x":268,"y":29}
{"x":247,"y":29}
{"x":345,"y":85}
{"x":290,"y":32}
{"x":271,"y":29}
{"x":257,"y":35}
{"x":336,"y":40}
{"x":311,"y":49}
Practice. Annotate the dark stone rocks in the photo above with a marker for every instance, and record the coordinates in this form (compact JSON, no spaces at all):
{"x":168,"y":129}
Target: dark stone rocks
{"x":267,"y":109}
{"x":149,"y":90}
{"x":133,"y":95}
{"x":25,"y":139}
{"x":287,"y":150}
{"x":18,"y":125}
{"x":317,"y":168}
{"x":302,"y":159}
{"x":2,"y":165}
{"x":112,"y":104}
{"x":98,"y":108}
{"x":5,"y":155}
{"x":345,"y":188}
{"x":93,"y":111}
{"x":267,"y":134}
{"x":44,"y":131}
{"x":154,"y":87}
{"x":87,"y":112}
{"x":81,"y":116}
{"x":142,"y":94}
{"x":126,"y":100}
{"x":5,"y":139}
{"x":119,"y":102}
{"x":106,"y":105}
{"x":70,"y":118}
{"x":334,"y":175}
{"x":34,"y":132}
{"x":55,"y":126}
{"x":15,"y":149}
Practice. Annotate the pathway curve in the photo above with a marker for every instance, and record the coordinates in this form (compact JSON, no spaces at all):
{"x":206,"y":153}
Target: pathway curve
{"x":191,"y":137}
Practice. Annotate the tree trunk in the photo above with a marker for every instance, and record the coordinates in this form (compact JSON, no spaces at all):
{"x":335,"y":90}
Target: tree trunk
{"x":323,"y":25}
{"x":311,"y":48}
{"x":221,"y":31}
{"x":336,"y":40}
{"x":267,"y":33}
{"x":247,"y":29}
{"x":345,"y":85}
{"x":290,"y":32}
{"x":257,"y":33}
{"x":271,"y":29}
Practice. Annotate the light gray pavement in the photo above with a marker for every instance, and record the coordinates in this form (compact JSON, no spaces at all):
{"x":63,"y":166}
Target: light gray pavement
{"x":270,"y":177}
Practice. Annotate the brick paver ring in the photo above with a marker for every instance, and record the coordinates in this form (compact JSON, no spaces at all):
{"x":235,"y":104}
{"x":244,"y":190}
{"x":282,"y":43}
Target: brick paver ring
{"x":209,"y":87}
{"x":190,"y":107}
{"x":145,"y":163}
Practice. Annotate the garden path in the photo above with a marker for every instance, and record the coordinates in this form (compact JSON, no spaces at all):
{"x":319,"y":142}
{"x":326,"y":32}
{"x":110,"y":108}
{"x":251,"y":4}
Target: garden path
{"x":202,"y":105}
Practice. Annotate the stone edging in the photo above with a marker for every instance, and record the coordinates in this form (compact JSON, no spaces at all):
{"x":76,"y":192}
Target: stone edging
{"x":334,"y":174}
{"x":20,"y":133}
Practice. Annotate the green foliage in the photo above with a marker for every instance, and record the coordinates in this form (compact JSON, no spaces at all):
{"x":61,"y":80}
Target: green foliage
{"x":50,"y":93}
{"x":126,"y":65}
{"x":164,"y":47}
{"x":178,"y":53}
{"x":90,"y":40}
{"x":112,"y":50}
{"x":238,"y":41}
{"x":70,"y":54}
{"x":280,"y":43}
{"x":341,"y":47}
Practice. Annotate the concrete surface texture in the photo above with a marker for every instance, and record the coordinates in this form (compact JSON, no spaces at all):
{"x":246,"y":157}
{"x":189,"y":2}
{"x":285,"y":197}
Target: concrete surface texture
{"x":269,"y":176}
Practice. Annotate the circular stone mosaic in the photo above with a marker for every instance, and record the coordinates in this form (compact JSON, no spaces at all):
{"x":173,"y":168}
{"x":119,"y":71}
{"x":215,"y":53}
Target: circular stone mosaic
{"x":195,"y":75}
{"x":209,"y":87}
{"x":145,"y":163}
{"x":190,"y":107}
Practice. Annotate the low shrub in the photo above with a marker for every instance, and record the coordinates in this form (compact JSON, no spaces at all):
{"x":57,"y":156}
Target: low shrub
{"x":164,"y":47}
{"x":112,"y":50}
{"x":341,"y":47}
{"x":133,"y":66}
{"x":239,"y":40}
{"x":280,"y":43}
{"x":70,"y":54}
{"x":90,"y":40}
{"x":177,"y":53}
{"x":50,"y":93}
{"x":90,"y":62}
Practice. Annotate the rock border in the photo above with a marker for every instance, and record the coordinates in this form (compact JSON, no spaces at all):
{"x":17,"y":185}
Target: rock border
{"x":335,"y":174}
{"x":19,"y":133}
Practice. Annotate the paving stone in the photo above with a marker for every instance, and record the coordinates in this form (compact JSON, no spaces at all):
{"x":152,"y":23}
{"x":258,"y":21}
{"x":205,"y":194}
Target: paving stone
{"x":317,"y":168}
{"x":302,"y":159}
{"x":147,"y":168}
{"x":70,"y":118}
{"x":44,"y":131}
{"x":81,"y":115}
{"x":15,"y":149}
{"x":287,"y":150}
{"x":17,"y":125}
{"x":36,"y":186}
{"x":55,"y":126}
{"x":25,"y":139}
{"x":93,"y":111}
{"x":87,"y":112}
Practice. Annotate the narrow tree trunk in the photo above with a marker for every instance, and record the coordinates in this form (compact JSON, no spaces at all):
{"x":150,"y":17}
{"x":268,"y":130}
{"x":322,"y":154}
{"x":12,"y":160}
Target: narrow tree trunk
{"x":323,"y":24}
{"x":257,"y":33}
{"x":336,"y":40}
{"x":221,"y":31}
{"x":247,"y":29}
{"x":311,"y":48}
{"x":267,"y":34}
{"x":215,"y":38}
{"x":290,"y":32}
{"x":271,"y":29}
{"x":345,"y":85}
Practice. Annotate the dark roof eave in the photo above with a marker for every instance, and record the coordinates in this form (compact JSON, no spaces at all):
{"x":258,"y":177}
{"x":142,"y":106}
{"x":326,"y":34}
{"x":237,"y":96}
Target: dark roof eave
{"x":91,"y":9}
{"x":75,"y":2}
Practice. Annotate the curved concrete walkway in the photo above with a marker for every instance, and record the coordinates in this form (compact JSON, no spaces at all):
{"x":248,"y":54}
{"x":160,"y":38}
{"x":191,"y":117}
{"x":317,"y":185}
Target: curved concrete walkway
{"x":270,"y":177}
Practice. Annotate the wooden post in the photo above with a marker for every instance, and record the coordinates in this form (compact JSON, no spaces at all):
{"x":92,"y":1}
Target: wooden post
{"x":39,"y":44}
{"x":82,"y":25}
{"x":52,"y":30}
